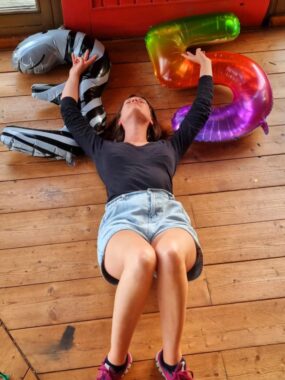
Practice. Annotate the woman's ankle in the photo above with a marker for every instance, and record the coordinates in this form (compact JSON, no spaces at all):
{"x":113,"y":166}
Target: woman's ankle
{"x":117,"y":360}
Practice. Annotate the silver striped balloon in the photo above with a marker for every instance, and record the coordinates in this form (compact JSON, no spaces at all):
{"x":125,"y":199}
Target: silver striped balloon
{"x":40,"y":53}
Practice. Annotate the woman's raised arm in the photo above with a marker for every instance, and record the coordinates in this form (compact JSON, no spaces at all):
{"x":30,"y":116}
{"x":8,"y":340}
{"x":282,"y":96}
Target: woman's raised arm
{"x":200,"y":110}
{"x":81,"y":130}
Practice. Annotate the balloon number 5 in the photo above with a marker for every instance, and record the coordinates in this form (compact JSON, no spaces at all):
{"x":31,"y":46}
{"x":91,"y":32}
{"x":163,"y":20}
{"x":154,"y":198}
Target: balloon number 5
{"x":252,"y":93}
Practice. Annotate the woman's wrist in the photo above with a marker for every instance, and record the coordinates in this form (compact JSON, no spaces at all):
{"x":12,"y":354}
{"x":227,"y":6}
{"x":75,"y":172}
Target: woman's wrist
{"x":71,"y":86}
{"x":74,"y":75}
{"x":206,"y":68}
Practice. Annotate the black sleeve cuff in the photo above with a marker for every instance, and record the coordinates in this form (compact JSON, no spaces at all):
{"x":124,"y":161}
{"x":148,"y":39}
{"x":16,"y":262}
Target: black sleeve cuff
{"x":67,"y":101}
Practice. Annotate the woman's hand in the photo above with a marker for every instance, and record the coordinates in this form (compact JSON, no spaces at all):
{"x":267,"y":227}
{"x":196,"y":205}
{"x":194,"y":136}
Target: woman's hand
{"x":200,"y":58}
{"x":80,"y":64}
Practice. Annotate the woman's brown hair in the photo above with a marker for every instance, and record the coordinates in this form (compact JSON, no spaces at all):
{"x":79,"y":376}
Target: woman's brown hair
{"x":115,"y":132}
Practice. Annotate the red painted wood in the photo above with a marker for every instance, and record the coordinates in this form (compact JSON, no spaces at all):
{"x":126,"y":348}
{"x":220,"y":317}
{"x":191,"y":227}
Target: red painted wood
{"x":130,"y":18}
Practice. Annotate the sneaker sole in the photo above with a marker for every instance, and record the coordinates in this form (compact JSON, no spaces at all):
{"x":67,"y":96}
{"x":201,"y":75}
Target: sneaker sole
{"x":128,"y":367}
{"x":160,"y":370}
{"x":158,"y":366}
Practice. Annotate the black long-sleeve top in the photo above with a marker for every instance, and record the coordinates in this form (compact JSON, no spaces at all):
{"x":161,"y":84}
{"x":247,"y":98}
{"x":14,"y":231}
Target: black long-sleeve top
{"x":125,"y":167}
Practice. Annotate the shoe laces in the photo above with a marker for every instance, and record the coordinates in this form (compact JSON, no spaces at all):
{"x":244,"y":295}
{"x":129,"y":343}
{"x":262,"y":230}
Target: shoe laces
{"x":181,"y":373}
{"x":106,"y":374}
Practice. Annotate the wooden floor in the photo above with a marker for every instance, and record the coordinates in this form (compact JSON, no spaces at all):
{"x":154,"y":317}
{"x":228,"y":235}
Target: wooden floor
{"x":55,"y":307}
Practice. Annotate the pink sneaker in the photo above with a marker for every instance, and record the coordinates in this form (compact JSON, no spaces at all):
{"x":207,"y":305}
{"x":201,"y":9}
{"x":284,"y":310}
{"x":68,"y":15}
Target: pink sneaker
{"x":107,"y":373}
{"x":180,"y":373}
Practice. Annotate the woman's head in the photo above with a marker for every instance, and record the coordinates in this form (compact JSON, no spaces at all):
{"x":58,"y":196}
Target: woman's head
{"x":145,"y":112}
{"x":138,"y":107}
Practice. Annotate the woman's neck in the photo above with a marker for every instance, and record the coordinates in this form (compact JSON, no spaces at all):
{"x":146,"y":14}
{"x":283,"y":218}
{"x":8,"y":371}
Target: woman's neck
{"x":135,"y":131}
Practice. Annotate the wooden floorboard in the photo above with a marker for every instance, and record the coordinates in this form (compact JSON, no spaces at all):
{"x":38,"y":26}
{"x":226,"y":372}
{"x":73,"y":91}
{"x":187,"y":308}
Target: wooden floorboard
{"x":55,"y":305}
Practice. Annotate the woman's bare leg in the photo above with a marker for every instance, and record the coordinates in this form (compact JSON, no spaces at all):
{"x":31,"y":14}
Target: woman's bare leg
{"x":131,"y":259}
{"x":176,"y":254}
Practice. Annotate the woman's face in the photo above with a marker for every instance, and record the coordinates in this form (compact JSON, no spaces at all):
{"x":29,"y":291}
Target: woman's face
{"x":135,"y":105}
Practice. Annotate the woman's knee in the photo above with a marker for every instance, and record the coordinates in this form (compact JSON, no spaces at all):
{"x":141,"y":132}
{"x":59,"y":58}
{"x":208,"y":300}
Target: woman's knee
{"x":143,"y":258}
{"x":127,"y":249}
{"x":170,"y":253}
{"x":174,"y":249}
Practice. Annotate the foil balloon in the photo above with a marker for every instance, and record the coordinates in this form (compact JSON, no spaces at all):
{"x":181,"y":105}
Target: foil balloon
{"x":252,"y":93}
{"x":40,"y":53}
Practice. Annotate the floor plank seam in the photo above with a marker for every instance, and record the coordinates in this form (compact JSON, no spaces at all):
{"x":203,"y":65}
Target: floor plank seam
{"x":231,"y":159}
{"x":239,"y":303}
{"x":183,"y":163}
{"x":224,"y":364}
{"x":99,"y":276}
{"x":184,"y":195}
{"x":30,"y":367}
{"x":189,"y":354}
{"x":48,"y":244}
{"x":208,"y":286}
{"x":197,"y":228}
{"x":239,"y":224}
{"x":246,"y":261}
{"x":51,"y":282}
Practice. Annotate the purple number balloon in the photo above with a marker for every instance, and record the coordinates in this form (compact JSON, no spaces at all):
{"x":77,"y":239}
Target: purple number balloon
{"x":252,"y":99}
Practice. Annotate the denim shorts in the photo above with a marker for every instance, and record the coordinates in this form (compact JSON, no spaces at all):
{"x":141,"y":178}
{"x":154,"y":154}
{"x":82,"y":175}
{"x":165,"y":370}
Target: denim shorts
{"x":147,"y":212}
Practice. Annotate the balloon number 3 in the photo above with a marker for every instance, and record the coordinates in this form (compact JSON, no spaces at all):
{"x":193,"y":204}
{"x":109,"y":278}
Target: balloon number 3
{"x":252,"y":93}
{"x":40,"y":53}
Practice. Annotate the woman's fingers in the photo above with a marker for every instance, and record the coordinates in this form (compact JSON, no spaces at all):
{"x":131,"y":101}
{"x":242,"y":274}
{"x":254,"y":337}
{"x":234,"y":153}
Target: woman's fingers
{"x":188,"y":55}
{"x":73,"y":58}
{"x":191,"y":57}
{"x":199,"y":57}
{"x":84,"y":59}
{"x":200,"y":52}
{"x":91,"y":60}
{"x":81,"y":63}
{"x":86,"y":54}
